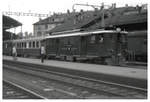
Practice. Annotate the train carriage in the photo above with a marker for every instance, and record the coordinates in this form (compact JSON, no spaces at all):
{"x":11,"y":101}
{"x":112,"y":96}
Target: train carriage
{"x":102,"y":45}
{"x":137,"y":46}
{"x":24,"y":47}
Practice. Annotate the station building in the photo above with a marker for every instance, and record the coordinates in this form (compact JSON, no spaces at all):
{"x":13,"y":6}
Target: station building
{"x":127,"y":18}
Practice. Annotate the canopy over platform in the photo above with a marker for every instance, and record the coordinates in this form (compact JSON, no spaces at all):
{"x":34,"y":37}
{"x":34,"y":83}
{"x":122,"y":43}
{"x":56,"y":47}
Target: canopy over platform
{"x":9,"y":22}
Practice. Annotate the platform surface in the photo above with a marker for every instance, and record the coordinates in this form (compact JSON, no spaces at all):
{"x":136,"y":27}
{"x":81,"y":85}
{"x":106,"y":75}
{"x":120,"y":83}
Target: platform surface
{"x":103,"y":69}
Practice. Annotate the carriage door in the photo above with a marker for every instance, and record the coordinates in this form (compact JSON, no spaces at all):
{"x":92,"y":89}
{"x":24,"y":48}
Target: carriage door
{"x":117,"y":47}
{"x":83,"y":46}
{"x":57,"y":46}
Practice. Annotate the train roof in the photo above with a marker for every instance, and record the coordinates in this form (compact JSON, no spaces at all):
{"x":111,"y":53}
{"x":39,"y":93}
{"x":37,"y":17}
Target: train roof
{"x":27,"y":39}
{"x":138,"y":33}
{"x":85,"y":33}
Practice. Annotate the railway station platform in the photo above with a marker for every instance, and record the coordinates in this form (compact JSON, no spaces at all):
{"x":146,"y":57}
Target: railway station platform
{"x":127,"y":72}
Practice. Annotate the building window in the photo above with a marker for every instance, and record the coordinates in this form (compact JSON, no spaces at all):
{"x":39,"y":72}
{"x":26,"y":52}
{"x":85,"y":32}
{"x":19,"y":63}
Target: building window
{"x":46,"y":26}
{"x":39,"y":28}
{"x":39,"y":33}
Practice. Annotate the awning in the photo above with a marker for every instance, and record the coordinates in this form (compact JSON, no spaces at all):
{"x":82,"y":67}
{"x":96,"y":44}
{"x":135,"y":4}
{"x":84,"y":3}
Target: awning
{"x":9,"y":22}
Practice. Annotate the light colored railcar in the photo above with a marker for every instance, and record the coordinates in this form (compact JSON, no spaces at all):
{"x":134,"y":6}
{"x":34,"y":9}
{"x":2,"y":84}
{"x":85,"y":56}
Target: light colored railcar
{"x":24,"y":47}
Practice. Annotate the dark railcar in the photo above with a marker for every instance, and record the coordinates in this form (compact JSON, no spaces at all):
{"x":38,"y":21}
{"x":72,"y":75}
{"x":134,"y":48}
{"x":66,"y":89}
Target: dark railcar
{"x":137,"y":46}
{"x":106,"y":46}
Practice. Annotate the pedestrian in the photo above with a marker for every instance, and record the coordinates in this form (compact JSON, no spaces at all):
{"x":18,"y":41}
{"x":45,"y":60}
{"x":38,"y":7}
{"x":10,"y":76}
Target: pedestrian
{"x":14,"y":53}
{"x":42,"y":53}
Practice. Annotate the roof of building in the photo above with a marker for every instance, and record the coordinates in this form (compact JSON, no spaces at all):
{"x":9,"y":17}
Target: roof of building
{"x":51,"y":19}
{"x":93,"y":19}
{"x":123,"y":20}
{"x":9,"y":22}
{"x":117,"y":16}
{"x":76,"y":21}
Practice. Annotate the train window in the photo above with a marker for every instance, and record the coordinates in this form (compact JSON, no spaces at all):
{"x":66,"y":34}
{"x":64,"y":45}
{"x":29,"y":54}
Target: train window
{"x":111,"y":36}
{"x":101,"y":38}
{"x":25,"y":45}
{"x":65,"y":41}
{"x":17,"y":45}
{"x":29,"y":44}
{"x":37,"y":44}
{"x":123,"y":38}
{"x":93,"y":39}
{"x":6,"y":45}
{"x":145,"y":41}
{"x":22,"y":45}
{"x":33,"y":44}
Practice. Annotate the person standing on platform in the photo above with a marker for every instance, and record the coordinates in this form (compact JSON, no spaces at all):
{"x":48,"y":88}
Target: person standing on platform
{"x":42,"y":53}
{"x":14,"y":53}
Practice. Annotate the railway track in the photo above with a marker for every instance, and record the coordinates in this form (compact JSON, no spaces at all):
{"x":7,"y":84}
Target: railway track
{"x":109,"y":89}
{"x":14,"y":91}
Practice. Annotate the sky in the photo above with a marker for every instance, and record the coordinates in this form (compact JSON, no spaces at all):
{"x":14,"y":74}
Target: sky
{"x":51,"y":6}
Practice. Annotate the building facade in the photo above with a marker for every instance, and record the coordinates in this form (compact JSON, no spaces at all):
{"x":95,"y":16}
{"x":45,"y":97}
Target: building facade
{"x":42,"y":27}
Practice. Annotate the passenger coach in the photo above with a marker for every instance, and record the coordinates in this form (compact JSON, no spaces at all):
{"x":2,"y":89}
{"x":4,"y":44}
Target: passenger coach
{"x":25,"y":47}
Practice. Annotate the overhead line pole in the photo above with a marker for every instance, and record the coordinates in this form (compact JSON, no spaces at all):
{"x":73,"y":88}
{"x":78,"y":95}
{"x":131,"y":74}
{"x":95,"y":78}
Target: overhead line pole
{"x":25,"y":14}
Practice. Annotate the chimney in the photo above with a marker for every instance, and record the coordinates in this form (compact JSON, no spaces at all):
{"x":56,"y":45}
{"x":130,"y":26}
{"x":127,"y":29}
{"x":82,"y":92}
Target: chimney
{"x":102,"y":6}
{"x":113,"y":5}
{"x":74,"y":10}
{"x":103,"y":20}
{"x":95,"y":9}
{"x":81,"y":10}
{"x":40,"y":19}
{"x":68,"y":11}
{"x":139,"y":8}
{"x":126,"y":5}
